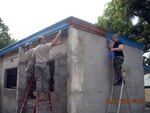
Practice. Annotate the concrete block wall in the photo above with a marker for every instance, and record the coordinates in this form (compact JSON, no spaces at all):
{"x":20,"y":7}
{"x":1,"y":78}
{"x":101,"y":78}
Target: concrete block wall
{"x":89,"y":73}
{"x":59,"y":96}
{"x":8,"y":96}
{"x":133,"y":65}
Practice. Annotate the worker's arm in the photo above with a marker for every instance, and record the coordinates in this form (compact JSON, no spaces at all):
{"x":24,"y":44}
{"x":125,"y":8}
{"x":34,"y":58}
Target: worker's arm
{"x":33,"y":59}
{"x":109,"y":44}
{"x":57,"y":37}
{"x":120,"y":48}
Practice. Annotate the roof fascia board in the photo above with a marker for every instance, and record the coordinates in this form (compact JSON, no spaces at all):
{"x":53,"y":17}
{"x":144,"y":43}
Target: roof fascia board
{"x":47,"y":31}
{"x":84,"y":25}
{"x":147,"y":67}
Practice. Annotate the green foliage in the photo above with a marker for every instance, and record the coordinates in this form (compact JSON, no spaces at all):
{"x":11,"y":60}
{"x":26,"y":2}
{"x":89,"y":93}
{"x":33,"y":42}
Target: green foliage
{"x":140,"y":8}
{"x":115,"y":18}
{"x":5,"y":38}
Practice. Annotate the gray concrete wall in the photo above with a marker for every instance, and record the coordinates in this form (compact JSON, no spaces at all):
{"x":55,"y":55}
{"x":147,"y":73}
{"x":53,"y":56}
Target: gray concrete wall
{"x":134,"y":77}
{"x":91,"y":73}
{"x":20,"y":81}
{"x":59,"y":96}
{"x":8,"y":96}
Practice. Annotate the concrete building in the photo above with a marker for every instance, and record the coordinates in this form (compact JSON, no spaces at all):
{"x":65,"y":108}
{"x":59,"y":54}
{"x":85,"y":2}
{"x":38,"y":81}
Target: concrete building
{"x":82,"y":66}
{"x":147,"y":85}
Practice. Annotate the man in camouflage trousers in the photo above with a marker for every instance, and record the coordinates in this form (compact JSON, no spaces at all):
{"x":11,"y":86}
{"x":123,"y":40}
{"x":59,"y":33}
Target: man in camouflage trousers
{"x":42,"y":72}
{"x":29,"y":67}
{"x":118,"y":60}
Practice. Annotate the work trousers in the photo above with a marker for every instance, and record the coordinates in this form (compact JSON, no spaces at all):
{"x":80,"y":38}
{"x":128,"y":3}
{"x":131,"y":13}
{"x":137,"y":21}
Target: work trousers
{"x":118,"y":62}
{"x":42,"y":77}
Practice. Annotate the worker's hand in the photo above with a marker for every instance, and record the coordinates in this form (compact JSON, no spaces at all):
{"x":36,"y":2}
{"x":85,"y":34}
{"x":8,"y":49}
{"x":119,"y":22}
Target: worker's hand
{"x":26,"y":70}
{"x":112,"y":49}
{"x":108,"y":41}
{"x":59,"y":33}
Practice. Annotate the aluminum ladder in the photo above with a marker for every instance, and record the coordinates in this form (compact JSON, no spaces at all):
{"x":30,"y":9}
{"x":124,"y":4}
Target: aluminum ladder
{"x":117,"y":103}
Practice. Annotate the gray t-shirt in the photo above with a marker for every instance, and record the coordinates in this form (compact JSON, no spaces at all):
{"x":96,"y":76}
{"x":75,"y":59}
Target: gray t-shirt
{"x":28,"y":56}
{"x":42,"y":52}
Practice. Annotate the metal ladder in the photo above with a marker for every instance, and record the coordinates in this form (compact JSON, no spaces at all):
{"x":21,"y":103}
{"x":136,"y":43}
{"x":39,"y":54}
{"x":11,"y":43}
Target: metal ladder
{"x":36,"y":108}
{"x":116,"y":100}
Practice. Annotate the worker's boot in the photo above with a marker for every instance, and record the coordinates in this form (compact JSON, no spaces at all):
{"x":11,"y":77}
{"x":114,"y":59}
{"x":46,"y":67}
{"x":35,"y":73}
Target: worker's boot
{"x":45,"y":97}
{"x":115,"y":80}
{"x":118,"y":81}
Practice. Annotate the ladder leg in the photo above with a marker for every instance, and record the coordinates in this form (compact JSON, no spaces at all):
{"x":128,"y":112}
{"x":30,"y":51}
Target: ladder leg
{"x":50,"y":100}
{"x":26,"y":96}
{"x":37,"y":103}
{"x":34,"y":108}
{"x":118,"y":109}
{"x":122,"y":86}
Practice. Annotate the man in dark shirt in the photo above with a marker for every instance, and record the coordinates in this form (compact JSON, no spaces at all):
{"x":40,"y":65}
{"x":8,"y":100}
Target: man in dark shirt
{"x":118,"y":60}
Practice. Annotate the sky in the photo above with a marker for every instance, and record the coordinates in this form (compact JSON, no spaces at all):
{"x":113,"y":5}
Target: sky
{"x":25,"y":17}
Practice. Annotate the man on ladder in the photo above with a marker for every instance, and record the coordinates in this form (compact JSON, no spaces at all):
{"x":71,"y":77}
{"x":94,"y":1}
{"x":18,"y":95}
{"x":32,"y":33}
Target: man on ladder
{"x":118,"y":89}
{"x":29,"y":66}
{"x":118,"y":59}
{"x":42,"y":73}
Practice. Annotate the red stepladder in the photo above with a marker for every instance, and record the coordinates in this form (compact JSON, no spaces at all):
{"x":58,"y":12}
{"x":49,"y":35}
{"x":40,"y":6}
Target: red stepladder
{"x":26,"y":95}
{"x":36,"y":106}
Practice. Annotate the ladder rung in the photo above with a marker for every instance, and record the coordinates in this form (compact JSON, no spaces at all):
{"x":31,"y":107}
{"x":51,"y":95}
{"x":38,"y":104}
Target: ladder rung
{"x":30,"y":103}
{"x":124,"y":107}
{"x":45,"y":102}
{"x":29,"y":107}
{"x":32,"y":89}
{"x":45,"y":112}
{"x":119,"y":93}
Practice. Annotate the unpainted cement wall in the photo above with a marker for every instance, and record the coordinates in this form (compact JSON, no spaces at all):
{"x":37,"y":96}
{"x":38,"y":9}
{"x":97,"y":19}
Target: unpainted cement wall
{"x":134,"y":77}
{"x":59,"y":55}
{"x":91,"y":73}
{"x":8,"y":96}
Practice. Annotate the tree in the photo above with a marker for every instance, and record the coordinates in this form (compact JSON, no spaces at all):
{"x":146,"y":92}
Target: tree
{"x":115,"y":18}
{"x":119,"y":15}
{"x":140,"y":8}
{"x":5,"y":38}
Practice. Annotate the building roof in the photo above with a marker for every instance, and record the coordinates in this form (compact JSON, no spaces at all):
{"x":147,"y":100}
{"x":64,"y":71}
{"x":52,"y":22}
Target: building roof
{"x":147,"y":67}
{"x":64,"y":24}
